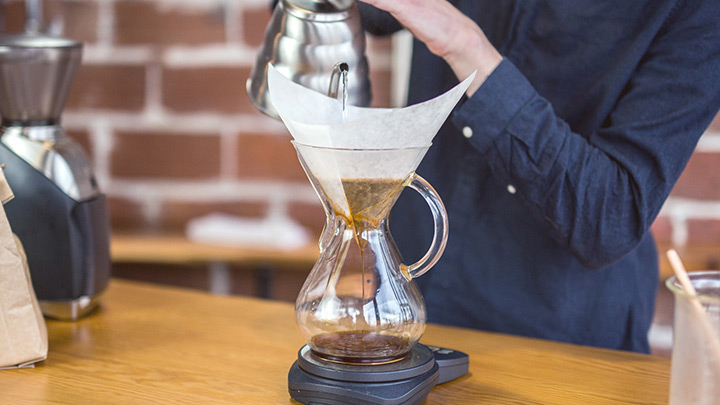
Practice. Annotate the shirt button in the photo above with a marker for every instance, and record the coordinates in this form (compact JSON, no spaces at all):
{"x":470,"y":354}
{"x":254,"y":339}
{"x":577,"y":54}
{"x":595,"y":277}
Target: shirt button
{"x":511,"y":189}
{"x":467,"y":132}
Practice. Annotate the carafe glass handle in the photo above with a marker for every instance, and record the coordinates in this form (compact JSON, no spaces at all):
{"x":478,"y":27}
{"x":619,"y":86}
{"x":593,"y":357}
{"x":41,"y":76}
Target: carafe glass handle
{"x":440,"y":219}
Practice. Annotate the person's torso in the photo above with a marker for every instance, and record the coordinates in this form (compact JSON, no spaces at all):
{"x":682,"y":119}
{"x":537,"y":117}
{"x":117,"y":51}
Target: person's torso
{"x":501,"y":270}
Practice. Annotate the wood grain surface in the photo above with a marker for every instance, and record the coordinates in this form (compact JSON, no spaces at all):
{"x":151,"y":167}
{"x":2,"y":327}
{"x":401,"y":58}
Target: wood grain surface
{"x":161,"y":345}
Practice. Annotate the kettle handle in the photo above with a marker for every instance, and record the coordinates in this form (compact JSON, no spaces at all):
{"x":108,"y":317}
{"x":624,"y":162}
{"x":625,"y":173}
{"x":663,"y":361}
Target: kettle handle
{"x":440,"y":219}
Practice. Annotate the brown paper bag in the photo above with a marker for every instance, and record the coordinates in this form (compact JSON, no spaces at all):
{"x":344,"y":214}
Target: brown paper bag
{"x":23,"y":334}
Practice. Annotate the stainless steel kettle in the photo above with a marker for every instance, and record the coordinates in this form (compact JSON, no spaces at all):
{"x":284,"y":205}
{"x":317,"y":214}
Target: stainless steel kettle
{"x":304,"y":40}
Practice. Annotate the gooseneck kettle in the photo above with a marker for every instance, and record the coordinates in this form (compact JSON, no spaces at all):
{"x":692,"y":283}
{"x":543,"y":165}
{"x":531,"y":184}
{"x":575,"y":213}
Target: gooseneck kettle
{"x":304,"y":40}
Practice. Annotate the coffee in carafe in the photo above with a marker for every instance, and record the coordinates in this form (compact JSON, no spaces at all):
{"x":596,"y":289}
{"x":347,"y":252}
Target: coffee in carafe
{"x":360,"y":347}
{"x":369,"y":201}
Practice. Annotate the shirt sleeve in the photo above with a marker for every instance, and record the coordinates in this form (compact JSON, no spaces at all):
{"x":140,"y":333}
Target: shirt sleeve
{"x":598,"y":193}
{"x":376,"y":21}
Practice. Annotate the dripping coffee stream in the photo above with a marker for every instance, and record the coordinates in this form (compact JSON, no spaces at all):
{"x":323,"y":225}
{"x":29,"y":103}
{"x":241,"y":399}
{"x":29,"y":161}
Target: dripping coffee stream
{"x":359,"y":309}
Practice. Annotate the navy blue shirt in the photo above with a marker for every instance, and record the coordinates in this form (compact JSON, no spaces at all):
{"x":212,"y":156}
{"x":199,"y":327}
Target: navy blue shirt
{"x":575,"y":142}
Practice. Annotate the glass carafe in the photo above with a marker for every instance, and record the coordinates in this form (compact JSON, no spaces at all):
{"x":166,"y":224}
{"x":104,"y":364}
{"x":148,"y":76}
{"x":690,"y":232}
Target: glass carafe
{"x":360,"y":304}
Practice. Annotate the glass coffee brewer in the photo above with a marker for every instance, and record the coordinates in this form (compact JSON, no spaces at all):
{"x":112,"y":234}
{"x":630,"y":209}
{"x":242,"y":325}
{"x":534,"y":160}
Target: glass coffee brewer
{"x":359,"y":309}
{"x":359,"y":304}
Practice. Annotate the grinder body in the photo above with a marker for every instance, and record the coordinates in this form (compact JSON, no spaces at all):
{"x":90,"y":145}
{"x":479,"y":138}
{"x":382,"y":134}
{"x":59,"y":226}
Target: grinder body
{"x":66,"y":240}
{"x":58,"y":211}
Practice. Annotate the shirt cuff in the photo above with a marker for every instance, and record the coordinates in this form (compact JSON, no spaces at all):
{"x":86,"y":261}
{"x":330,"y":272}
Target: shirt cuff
{"x":487,"y":114}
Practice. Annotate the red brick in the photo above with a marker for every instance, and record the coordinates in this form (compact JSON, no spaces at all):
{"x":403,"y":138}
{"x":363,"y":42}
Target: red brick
{"x":706,"y":231}
{"x":220,"y":89}
{"x":81,"y":21}
{"x":80,"y":18}
{"x":311,"y":216}
{"x":175,"y":215}
{"x":82,"y":138}
{"x":700,"y":180}
{"x":254,"y":22}
{"x":268,"y":157}
{"x":166,"y":155}
{"x":715,"y":124}
{"x":661,"y":229}
{"x":380,"y":78}
{"x":117,"y":87}
{"x":381,"y":87}
{"x":126,"y":215}
{"x":13,"y":16}
{"x":378,"y":45}
{"x":142,"y":22}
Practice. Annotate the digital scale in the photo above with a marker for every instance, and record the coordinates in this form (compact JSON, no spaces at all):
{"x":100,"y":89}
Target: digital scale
{"x":312,"y":380}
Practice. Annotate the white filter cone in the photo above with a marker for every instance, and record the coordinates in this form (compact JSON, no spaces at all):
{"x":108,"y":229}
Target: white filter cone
{"x":336,"y":169}
{"x":316,"y":119}
{"x":363,"y":143}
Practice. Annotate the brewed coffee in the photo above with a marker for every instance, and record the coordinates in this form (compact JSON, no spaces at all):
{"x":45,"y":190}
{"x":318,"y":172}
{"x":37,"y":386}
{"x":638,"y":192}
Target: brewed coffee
{"x":360,"y":347}
{"x":371,"y":199}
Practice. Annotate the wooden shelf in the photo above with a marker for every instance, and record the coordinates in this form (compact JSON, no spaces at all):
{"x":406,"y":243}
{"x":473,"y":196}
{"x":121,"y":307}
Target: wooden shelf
{"x":177,"y":249}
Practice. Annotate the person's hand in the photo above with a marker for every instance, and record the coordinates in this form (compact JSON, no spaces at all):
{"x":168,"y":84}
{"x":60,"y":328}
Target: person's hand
{"x":447,"y":33}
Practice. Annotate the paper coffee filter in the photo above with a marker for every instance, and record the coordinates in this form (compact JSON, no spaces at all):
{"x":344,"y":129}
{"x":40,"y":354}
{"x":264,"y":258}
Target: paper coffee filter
{"x":316,"y":119}
{"x":330,"y":167}
{"x":364,"y":143}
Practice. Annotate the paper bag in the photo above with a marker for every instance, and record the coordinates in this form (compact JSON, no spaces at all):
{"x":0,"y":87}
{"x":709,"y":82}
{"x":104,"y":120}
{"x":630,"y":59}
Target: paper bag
{"x":23,"y":334}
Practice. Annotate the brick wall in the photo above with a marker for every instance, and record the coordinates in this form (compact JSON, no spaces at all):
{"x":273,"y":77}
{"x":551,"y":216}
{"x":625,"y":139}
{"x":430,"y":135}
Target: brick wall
{"x":160,"y":106}
{"x":691,"y":216}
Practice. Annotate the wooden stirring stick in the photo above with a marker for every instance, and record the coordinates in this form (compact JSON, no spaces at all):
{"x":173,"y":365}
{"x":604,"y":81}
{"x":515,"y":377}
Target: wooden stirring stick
{"x":707,"y":327}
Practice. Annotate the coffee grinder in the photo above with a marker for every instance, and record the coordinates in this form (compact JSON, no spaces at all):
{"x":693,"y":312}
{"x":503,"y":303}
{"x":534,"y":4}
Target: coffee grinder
{"x":58,"y":211}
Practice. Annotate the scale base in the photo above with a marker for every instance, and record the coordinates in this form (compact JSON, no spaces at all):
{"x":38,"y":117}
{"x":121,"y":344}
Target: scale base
{"x":315,"y":381}
{"x":311,"y":389}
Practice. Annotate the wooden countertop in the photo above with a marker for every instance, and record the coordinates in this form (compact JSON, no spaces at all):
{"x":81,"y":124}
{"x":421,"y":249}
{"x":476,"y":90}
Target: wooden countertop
{"x":151,"y":344}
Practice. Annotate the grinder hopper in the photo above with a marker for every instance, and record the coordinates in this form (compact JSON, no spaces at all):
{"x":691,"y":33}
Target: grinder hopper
{"x":36,"y":74}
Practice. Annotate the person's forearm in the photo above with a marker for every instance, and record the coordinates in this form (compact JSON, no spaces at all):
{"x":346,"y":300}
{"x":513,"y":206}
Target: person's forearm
{"x":473,"y":52}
